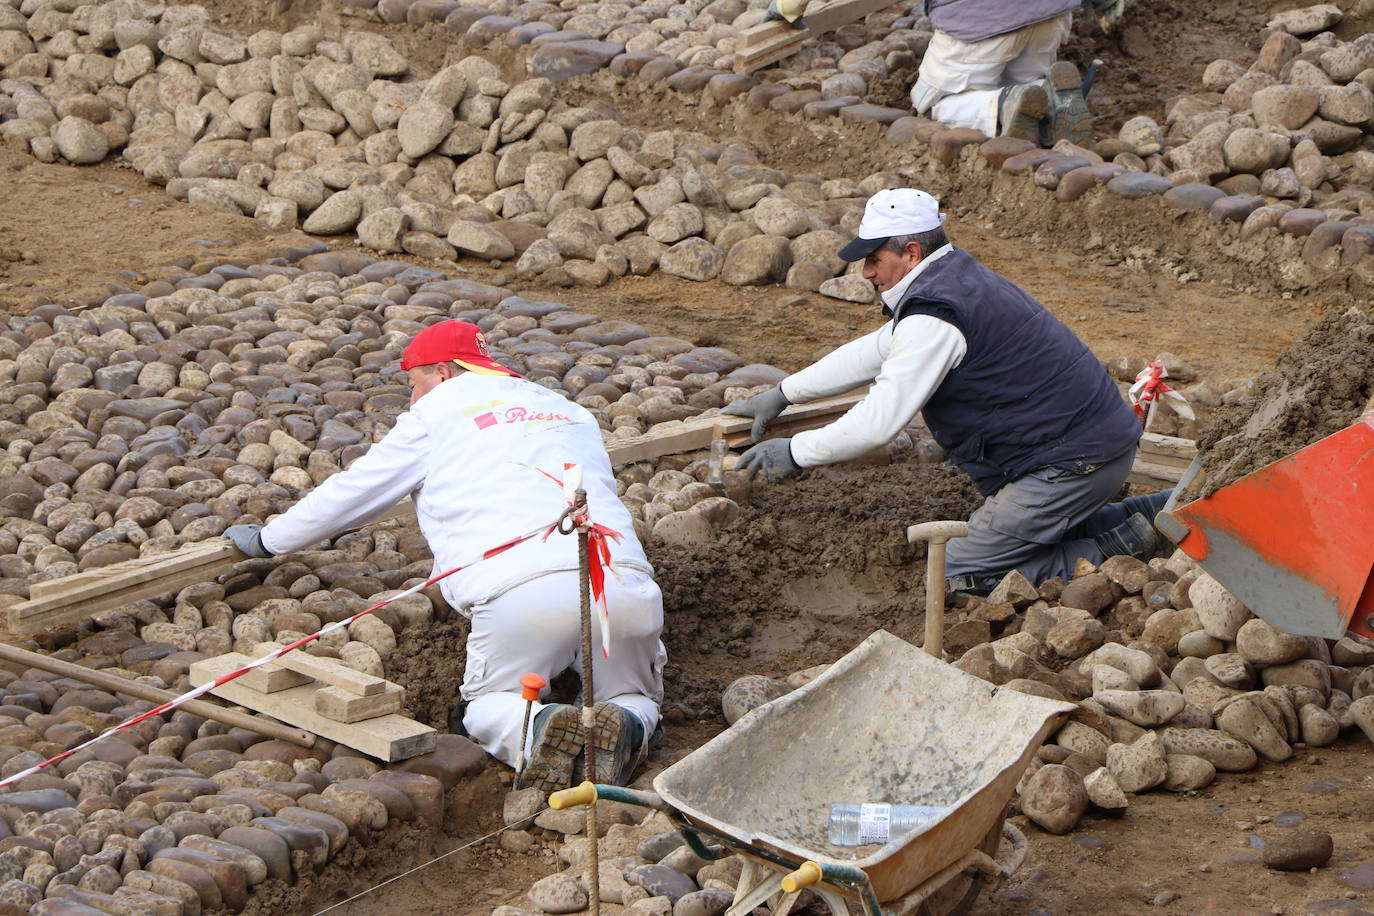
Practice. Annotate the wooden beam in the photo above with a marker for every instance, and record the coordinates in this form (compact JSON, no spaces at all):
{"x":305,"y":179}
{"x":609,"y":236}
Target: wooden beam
{"x":1149,"y":474}
{"x":76,"y":597}
{"x":341,"y":706}
{"x":329,"y":670}
{"x":273,"y":677}
{"x":20,"y":660}
{"x":699,"y":433}
{"x":389,"y":737}
{"x":770,"y":42}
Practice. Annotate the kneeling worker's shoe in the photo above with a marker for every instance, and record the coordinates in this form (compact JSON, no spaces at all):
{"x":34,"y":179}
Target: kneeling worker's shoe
{"x":618,"y":736}
{"x":1021,"y":110}
{"x":1135,"y":537}
{"x":1069,"y":116}
{"x":557,"y":745}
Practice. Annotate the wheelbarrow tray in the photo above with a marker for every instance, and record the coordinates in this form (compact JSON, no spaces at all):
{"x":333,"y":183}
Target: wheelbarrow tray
{"x":1291,"y":539}
{"x":885,"y":723}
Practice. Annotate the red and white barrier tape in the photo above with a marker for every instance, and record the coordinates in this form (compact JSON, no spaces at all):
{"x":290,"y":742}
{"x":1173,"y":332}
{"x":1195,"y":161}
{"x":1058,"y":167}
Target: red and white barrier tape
{"x":597,"y":549}
{"x":1149,"y":387}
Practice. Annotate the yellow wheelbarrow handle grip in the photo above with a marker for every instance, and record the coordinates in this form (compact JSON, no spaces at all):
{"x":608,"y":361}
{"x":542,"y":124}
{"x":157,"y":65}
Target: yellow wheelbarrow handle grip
{"x":584,"y":794}
{"x":807,"y":875}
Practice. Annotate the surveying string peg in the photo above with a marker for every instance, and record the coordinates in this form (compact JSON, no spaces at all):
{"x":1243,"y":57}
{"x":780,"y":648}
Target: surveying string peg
{"x":531,"y":685}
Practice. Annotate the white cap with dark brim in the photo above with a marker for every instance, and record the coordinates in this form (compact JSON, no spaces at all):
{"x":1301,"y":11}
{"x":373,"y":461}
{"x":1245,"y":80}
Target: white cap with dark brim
{"x":890,"y":213}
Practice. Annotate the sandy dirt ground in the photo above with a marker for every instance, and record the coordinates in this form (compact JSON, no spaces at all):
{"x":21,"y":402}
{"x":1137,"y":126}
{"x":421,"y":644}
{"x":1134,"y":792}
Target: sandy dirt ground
{"x":70,"y":232}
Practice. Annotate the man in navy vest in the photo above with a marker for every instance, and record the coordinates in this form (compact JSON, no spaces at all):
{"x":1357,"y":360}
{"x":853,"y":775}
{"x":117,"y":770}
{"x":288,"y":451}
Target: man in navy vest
{"x":1008,"y":391}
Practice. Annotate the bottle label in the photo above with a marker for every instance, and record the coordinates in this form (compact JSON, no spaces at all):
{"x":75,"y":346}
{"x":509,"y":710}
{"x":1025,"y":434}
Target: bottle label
{"x":875,"y":824}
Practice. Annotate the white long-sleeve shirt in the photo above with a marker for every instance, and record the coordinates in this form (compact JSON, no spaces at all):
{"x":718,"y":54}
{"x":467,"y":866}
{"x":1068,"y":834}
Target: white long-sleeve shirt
{"x":467,"y":452}
{"x":906,"y":362}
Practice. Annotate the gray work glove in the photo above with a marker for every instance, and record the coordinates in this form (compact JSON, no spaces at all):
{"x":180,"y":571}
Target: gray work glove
{"x":248,"y":538}
{"x":773,"y":457}
{"x":764,"y":408}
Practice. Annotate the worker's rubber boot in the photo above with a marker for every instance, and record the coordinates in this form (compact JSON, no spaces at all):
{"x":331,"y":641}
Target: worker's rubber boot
{"x":1069,"y":117}
{"x":1149,"y":505}
{"x":455,"y":719}
{"x":1021,"y":112}
{"x":618,"y":736}
{"x":557,"y":745}
{"x":1135,"y":537}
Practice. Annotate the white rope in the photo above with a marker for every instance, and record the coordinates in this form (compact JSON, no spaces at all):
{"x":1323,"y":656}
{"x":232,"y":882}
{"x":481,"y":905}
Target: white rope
{"x":480,"y":839}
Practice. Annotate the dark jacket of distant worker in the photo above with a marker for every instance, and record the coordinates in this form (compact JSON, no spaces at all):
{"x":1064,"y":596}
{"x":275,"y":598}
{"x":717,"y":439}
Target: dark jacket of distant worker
{"x":1010,"y":393}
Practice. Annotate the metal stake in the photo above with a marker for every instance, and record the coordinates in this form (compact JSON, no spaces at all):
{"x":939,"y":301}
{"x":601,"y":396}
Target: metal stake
{"x":530,"y":687}
{"x":588,"y":706}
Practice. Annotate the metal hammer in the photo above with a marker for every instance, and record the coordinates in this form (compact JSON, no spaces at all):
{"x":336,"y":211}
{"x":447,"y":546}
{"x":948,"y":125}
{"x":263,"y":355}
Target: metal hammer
{"x":936,"y":535}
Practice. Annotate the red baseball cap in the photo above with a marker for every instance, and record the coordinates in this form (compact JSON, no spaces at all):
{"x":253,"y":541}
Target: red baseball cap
{"x":453,"y":342}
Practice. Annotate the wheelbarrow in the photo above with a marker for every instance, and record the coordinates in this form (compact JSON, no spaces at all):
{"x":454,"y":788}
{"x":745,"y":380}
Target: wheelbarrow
{"x":1292,"y":539}
{"x":887,"y":723}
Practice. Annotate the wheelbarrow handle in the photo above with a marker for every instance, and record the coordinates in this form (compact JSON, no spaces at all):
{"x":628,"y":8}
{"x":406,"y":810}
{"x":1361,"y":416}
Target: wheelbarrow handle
{"x":588,"y":793}
{"x":808,"y":875}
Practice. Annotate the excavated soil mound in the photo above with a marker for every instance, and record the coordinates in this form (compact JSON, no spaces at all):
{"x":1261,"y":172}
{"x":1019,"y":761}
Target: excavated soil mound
{"x":809,"y":569}
{"x":1319,"y":386}
{"x":804,"y":573}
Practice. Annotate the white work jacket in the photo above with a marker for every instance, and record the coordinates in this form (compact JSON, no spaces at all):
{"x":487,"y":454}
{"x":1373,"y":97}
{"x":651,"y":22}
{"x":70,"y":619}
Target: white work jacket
{"x":467,"y":453}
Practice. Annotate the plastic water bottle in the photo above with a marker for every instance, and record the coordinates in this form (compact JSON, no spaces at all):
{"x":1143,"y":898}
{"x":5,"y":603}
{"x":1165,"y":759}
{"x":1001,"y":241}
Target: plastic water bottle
{"x":859,"y":825}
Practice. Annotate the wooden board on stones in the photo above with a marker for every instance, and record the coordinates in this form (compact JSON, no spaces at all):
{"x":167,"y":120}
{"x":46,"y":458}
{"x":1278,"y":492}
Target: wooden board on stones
{"x":700,"y":433}
{"x":332,"y":672}
{"x":769,"y":42}
{"x":389,"y":737}
{"x":77,"y":597}
{"x":1161,"y":460}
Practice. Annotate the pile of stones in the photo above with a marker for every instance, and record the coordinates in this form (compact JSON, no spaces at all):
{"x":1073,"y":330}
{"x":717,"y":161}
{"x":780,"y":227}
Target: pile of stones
{"x":1175,"y":680}
{"x":216,"y":394}
{"x":297,"y":129}
{"x":644,"y":866}
{"x":683,"y":45}
{"x":178,"y":814}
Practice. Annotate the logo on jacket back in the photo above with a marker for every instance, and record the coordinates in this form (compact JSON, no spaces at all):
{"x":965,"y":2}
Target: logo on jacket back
{"x":493,"y":413}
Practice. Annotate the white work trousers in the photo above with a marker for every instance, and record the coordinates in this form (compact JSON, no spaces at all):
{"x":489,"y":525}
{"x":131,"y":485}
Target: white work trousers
{"x":536,"y":627}
{"x":961,"y":82}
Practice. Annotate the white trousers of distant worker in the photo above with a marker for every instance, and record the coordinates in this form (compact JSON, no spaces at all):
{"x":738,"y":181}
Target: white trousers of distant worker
{"x":960,"y":83}
{"x":537,"y":627}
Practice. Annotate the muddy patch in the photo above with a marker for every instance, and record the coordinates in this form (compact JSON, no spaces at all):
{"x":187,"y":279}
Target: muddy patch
{"x":1319,"y":386}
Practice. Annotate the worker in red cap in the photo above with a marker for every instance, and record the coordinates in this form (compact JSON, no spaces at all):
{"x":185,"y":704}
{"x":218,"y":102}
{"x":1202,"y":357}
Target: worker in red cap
{"x":469,"y":452}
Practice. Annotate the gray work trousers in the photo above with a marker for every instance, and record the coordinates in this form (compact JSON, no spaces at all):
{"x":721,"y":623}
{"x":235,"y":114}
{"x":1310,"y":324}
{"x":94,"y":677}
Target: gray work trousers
{"x":1041,"y":524}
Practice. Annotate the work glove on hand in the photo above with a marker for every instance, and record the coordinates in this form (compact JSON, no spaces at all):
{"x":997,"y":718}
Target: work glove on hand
{"x":764,"y":408}
{"x":248,"y":538}
{"x":773,"y":457}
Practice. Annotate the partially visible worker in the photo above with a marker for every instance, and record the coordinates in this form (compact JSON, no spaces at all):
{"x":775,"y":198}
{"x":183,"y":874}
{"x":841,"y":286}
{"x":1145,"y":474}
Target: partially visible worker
{"x":470,"y":451}
{"x":991,"y":66}
{"x":1008,"y":391}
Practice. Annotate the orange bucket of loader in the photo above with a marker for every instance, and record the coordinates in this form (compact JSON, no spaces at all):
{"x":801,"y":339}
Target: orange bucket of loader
{"x":1293,"y":540}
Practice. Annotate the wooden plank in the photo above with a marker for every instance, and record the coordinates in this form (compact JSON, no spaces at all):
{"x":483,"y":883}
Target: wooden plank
{"x":1149,"y":474}
{"x":95,"y":582}
{"x":36,"y":616}
{"x":329,"y":670}
{"x":341,"y":706}
{"x":769,"y":42}
{"x":389,"y":738}
{"x":1170,"y":446}
{"x":699,"y":433}
{"x":271,"y":678}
